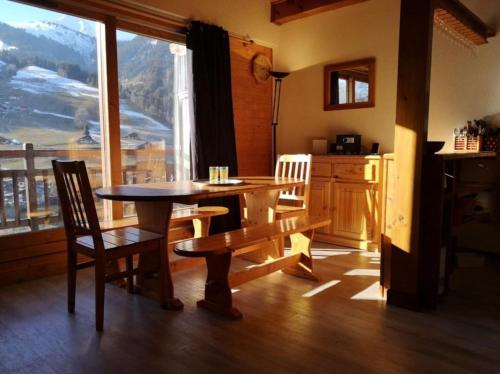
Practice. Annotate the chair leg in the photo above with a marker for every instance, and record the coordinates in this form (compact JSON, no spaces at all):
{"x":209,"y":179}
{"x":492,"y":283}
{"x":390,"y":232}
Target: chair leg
{"x":71,"y":279}
{"x":100,"y":283}
{"x":130,"y":278}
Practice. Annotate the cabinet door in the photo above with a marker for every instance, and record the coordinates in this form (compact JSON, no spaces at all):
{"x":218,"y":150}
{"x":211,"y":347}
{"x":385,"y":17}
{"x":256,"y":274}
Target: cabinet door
{"x":319,"y":201}
{"x":353,"y":210}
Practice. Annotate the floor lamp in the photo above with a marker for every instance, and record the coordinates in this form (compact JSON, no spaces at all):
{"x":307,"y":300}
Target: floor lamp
{"x":278,"y":77}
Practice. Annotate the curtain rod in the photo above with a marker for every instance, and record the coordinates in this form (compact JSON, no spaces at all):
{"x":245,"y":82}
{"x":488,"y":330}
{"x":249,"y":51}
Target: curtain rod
{"x":245,"y":38}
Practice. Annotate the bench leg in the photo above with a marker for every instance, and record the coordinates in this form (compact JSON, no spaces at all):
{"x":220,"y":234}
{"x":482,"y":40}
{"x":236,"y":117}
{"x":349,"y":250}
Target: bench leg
{"x":301,"y":243}
{"x":260,"y":209}
{"x":201,"y":226}
{"x":218,"y":296}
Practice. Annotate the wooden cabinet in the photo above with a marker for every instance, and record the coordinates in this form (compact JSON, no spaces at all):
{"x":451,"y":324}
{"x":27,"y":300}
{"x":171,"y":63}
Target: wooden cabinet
{"x":321,"y":193}
{"x":353,"y":211}
{"x":347,"y":189}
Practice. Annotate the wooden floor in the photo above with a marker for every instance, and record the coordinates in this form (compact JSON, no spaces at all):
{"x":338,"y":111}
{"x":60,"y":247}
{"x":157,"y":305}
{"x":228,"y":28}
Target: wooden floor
{"x":289,"y":325}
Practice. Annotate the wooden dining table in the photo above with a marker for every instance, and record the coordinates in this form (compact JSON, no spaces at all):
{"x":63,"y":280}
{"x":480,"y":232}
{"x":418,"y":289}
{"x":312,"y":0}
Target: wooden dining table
{"x":154,"y":203}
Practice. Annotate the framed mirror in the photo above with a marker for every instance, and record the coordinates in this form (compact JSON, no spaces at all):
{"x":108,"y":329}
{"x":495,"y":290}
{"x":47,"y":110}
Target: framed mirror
{"x":350,"y":85}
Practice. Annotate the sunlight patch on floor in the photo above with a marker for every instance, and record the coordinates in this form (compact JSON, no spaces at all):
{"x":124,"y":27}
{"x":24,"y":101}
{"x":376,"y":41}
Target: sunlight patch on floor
{"x":371,"y":293}
{"x":364,"y":272}
{"x":321,"y":254}
{"x":372,"y":255}
{"x":321,"y":288}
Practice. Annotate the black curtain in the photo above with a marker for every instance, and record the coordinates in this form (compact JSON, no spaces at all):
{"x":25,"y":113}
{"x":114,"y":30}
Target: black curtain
{"x":213,"y":141}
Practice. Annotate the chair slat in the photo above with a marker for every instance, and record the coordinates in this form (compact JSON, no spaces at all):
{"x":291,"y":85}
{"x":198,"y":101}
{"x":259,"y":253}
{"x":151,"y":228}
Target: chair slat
{"x":133,"y":234}
{"x":73,"y":213}
{"x":295,"y":166}
{"x":77,"y":201}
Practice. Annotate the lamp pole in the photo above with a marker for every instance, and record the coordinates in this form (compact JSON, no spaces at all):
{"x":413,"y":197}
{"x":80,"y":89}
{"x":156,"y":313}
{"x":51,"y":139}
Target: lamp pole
{"x":278,"y":77}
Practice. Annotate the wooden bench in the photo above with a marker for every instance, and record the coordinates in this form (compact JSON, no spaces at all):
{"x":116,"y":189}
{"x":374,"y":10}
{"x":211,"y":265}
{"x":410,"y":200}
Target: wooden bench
{"x":218,"y":250}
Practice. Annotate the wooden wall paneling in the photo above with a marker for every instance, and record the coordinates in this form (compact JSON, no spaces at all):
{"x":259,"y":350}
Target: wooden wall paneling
{"x":33,"y":268}
{"x":415,"y":51}
{"x":252,"y":104}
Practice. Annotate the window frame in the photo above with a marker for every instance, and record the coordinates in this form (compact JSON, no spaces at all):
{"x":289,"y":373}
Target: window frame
{"x":113,"y":16}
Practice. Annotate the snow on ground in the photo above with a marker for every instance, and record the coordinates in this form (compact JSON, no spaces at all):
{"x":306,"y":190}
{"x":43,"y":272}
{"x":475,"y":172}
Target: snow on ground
{"x":36,"y":111}
{"x":6,"y":47}
{"x":38,"y":80}
{"x":152,"y":124}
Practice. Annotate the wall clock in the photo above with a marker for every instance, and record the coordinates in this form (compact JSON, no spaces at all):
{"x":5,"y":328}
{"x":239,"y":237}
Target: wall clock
{"x":261,"y":67}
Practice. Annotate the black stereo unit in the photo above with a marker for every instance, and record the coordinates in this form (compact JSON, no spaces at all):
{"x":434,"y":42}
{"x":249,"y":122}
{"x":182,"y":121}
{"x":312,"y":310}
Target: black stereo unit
{"x":349,"y":144}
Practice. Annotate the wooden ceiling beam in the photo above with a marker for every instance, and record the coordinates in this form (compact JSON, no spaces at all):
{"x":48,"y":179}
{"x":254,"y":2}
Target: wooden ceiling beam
{"x":283,"y":11}
{"x":466,"y":17}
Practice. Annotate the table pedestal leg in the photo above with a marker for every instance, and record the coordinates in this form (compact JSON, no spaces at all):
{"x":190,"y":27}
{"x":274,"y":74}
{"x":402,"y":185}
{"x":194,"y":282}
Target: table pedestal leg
{"x":218,"y":296}
{"x":155,"y":217}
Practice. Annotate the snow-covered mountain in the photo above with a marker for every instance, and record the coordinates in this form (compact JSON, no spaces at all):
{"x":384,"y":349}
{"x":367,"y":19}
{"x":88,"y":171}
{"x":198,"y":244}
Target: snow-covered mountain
{"x":83,"y":44}
{"x":78,"y":24}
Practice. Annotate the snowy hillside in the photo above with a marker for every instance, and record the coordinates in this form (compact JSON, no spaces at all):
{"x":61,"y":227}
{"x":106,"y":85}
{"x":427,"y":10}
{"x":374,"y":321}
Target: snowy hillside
{"x":55,"y":102}
{"x":37,"y":80}
{"x":83,"y":44}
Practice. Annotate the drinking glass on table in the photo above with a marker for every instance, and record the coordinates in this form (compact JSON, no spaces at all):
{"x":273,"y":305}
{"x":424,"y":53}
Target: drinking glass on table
{"x":224,"y":174}
{"x":213,"y":174}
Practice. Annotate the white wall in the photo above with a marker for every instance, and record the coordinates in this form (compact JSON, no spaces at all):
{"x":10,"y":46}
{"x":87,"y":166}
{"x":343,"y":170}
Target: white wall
{"x":369,"y":29}
{"x":465,"y":84}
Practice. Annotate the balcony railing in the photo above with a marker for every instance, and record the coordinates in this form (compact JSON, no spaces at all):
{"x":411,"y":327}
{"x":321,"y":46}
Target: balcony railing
{"x":28,"y":195}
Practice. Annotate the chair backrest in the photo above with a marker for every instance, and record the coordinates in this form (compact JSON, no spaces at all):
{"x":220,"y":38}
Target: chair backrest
{"x":76,"y":200}
{"x":295,"y":166}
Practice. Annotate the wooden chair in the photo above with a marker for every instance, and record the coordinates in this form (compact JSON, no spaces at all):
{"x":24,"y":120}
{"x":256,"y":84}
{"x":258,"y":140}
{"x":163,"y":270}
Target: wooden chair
{"x":295,"y":202}
{"x":84,"y":236}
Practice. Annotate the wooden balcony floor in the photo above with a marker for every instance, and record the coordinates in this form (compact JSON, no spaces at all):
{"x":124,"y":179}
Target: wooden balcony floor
{"x":338,"y":328}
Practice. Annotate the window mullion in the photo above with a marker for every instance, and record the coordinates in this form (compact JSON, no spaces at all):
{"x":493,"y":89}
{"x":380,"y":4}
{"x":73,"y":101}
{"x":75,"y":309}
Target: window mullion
{"x":110,"y":111}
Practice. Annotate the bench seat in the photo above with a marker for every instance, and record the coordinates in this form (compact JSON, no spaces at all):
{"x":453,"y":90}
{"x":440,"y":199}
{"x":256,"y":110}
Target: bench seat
{"x":218,"y":250}
{"x":234,"y":240}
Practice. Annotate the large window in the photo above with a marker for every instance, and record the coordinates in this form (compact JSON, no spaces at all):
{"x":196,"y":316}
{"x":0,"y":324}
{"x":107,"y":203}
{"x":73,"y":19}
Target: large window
{"x":154,"y":110}
{"x":51,"y":106}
